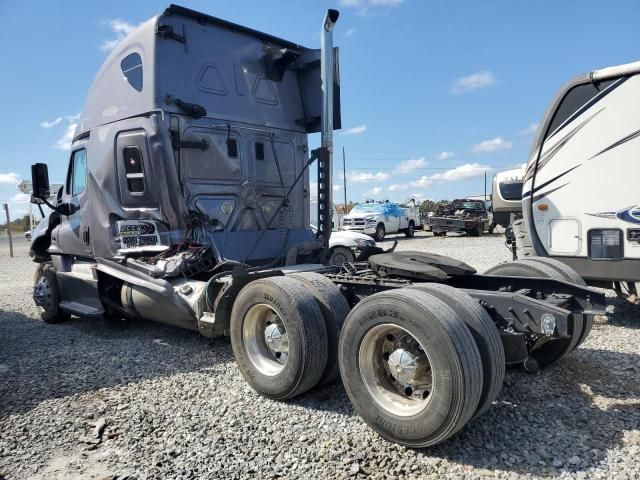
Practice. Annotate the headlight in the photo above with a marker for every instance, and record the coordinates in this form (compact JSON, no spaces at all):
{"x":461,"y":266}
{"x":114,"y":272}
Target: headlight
{"x":365,"y":243}
{"x":370,"y":220}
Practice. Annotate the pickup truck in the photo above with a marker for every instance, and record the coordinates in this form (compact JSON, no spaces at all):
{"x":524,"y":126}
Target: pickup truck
{"x":379,"y":218}
{"x":462,"y":215}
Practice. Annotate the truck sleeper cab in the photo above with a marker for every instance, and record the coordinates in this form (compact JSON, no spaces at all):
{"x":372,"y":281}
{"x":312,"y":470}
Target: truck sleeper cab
{"x":187,"y":203}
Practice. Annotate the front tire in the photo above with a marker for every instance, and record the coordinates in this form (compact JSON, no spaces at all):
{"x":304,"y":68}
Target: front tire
{"x":279,"y":337}
{"x":341,"y":255}
{"x":47,"y":296}
{"x":380,"y":232}
{"x":410,"y":367}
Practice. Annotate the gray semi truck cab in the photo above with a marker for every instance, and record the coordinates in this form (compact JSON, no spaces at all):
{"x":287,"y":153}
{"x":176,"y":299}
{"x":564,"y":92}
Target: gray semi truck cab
{"x":187,"y":202}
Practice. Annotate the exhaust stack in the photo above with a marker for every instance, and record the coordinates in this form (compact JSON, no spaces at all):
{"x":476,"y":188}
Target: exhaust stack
{"x":325,"y":157}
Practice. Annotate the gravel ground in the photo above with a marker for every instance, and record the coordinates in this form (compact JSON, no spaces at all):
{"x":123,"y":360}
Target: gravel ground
{"x":95,"y":400}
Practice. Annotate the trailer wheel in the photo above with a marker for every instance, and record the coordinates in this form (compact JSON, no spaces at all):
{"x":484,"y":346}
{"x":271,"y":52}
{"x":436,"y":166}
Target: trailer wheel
{"x":485,"y":334}
{"x":410,"y":231}
{"x":46,"y":295}
{"x":380,"y":232}
{"x":335,"y":309}
{"x":410,"y":367}
{"x":570,"y":275}
{"x":341,"y":255}
{"x":278,"y":336}
{"x":554,"y":349}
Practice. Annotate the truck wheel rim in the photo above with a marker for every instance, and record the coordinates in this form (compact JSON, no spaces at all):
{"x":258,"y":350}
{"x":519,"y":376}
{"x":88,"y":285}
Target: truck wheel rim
{"x":42,"y":294}
{"x":265,"y":340}
{"x":338,"y":259}
{"x":396,"y":370}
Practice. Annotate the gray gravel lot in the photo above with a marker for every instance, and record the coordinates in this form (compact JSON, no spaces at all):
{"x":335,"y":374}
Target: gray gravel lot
{"x":97,"y":399}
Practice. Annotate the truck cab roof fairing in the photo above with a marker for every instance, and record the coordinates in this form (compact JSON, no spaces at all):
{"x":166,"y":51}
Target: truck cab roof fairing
{"x":249,"y":77}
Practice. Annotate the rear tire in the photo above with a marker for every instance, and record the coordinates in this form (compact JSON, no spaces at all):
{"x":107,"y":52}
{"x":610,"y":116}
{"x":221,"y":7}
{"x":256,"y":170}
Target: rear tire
{"x":554,"y":349}
{"x":484,"y":333}
{"x":424,"y":416}
{"x":569,"y":275}
{"x":46,"y":287}
{"x":411,"y":230}
{"x":335,"y":309}
{"x":284,"y":303}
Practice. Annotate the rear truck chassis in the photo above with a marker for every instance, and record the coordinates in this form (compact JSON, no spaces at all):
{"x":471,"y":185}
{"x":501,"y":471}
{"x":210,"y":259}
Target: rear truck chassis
{"x":291,"y":327}
{"x":419,"y":340}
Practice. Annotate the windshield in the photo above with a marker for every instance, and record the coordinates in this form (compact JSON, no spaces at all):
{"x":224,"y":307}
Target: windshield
{"x":467,"y":205}
{"x":366,"y":208}
{"x":511,"y":190}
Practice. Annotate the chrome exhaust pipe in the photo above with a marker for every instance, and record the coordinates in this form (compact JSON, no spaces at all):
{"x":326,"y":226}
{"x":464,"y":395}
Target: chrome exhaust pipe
{"x":325,"y":159}
{"x":326,"y":74}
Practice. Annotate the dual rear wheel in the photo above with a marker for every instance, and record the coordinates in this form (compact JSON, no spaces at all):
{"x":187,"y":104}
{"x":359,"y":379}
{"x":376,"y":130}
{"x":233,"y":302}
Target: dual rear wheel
{"x":284,"y":333}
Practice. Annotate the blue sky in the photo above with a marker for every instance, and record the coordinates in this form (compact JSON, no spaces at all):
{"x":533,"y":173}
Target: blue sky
{"x":434,"y":92}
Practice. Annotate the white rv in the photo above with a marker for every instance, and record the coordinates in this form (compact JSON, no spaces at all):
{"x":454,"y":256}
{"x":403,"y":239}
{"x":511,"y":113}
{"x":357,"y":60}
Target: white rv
{"x":580,"y":201}
{"x":506,"y":196}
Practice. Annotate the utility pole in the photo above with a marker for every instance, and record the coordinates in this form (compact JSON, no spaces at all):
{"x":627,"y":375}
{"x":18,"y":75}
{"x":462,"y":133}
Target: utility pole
{"x":6,"y":209}
{"x":344,"y":179}
{"x":485,"y":185}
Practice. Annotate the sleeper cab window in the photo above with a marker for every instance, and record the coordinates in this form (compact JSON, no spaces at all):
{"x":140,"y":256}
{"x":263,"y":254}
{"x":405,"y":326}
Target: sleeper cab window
{"x":77,"y":178}
{"x":133,"y":169}
{"x":131,"y":66}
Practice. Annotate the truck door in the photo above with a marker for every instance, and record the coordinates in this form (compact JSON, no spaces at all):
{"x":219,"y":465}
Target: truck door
{"x":74,"y":236}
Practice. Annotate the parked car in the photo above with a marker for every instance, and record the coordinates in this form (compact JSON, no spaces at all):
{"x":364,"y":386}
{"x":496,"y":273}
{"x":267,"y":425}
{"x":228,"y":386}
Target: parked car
{"x":379,"y":218}
{"x":27,"y":235}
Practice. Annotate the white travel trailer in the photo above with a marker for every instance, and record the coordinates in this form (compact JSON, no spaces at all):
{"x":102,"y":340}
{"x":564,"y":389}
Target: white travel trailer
{"x":506,"y":196}
{"x":580,"y":200}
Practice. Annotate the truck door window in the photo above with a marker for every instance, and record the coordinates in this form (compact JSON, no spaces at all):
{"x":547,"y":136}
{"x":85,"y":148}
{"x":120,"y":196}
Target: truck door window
{"x":133,"y":169}
{"x":77,"y":178}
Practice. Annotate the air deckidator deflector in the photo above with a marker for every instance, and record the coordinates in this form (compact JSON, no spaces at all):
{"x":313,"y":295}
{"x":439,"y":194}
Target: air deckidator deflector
{"x":187,"y":202}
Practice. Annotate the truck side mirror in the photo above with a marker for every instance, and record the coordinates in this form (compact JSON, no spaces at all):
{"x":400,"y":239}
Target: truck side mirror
{"x":40,"y":181}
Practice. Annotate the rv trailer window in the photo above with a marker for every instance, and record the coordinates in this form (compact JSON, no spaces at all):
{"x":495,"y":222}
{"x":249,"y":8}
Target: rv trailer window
{"x":131,"y":66}
{"x":133,"y":169}
{"x":574,"y":99}
{"x":511,"y":190}
{"x":78,"y":172}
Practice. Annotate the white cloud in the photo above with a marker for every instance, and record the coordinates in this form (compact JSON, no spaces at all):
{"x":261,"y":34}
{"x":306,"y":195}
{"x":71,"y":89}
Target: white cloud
{"x":64,"y":142}
{"x":53,"y":123}
{"x":408,"y":166}
{"x":398,"y":187}
{"x":72,"y":118}
{"x":473,"y":82}
{"x":355,"y":130}
{"x":373,"y":192}
{"x":492,"y":145}
{"x":444,"y":155}
{"x":422,"y":182}
{"x":351,"y":3}
{"x":350,"y":32}
{"x":120,"y":28}
{"x":20,"y":198}
{"x":531,"y":129}
{"x":337,"y":188}
{"x":10,"y":178}
{"x":363,"y":177}
{"x":461,"y":172}
{"x":385,"y":3}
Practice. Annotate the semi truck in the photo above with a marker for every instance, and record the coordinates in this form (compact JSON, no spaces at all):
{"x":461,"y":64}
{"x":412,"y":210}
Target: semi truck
{"x":379,"y":218}
{"x":187,"y":202}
